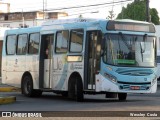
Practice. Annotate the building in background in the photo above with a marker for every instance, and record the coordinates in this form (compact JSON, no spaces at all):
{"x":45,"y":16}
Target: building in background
{"x":9,"y":20}
{"x":27,"y":19}
{"x":4,"y":7}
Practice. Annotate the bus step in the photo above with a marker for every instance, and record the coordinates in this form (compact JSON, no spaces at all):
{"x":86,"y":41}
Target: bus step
{"x":46,"y":89}
{"x":89,"y":91}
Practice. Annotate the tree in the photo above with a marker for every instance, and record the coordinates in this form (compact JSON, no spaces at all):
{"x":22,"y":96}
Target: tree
{"x":154,"y":16}
{"x":137,"y":11}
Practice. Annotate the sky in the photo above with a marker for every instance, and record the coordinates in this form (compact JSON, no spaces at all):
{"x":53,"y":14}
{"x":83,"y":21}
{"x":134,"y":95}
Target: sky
{"x":92,"y":12}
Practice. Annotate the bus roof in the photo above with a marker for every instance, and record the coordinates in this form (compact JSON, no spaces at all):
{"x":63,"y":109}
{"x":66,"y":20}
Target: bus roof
{"x":82,"y":20}
{"x":131,"y":21}
{"x":23,"y":30}
{"x":69,"y":21}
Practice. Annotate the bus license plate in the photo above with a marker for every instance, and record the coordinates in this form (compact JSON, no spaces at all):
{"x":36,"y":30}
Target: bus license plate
{"x":134,"y":87}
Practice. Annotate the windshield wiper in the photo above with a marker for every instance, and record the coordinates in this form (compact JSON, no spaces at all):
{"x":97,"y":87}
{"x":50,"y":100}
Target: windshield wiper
{"x":124,"y":40}
{"x":142,"y":51}
{"x":144,"y":40}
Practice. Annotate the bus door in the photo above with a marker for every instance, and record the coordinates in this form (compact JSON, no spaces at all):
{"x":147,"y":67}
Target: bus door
{"x":92,"y":58}
{"x":46,"y":52}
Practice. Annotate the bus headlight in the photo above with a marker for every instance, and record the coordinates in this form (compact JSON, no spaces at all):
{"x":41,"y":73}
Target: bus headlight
{"x":110,"y":77}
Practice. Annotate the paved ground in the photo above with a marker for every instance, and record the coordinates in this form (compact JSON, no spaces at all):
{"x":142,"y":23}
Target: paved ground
{"x":54,"y":102}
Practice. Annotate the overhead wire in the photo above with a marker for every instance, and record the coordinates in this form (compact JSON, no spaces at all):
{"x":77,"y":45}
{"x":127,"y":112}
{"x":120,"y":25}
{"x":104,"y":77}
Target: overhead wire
{"x":31,"y":5}
{"x":76,"y":7}
{"x":87,"y":8}
{"x":64,"y":8}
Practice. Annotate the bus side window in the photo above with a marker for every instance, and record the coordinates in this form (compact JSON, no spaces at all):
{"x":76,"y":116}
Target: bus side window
{"x":22,"y":44}
{"x":62,"y":39}
{"x":76,"y":40}
{"x":33,"y":46}
{"x":11,"y":45}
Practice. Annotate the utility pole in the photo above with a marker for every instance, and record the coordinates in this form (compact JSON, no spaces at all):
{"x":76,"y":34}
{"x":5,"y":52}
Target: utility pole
{"x":22,"y":19}
{"x":112,"y":12}
{"x":43,"y":11}
{"x":147,"y":11}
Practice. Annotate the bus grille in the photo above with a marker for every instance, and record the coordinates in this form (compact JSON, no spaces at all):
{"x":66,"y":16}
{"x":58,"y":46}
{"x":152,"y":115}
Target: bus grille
{"x":127,"y":87}
{"x":144,"y":86}
{"x":135,"y":83}
{"x":133,"y":72}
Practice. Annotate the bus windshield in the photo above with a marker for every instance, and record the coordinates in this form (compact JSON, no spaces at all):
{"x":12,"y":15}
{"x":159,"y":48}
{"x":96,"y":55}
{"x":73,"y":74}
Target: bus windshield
{"x":129,"y":50}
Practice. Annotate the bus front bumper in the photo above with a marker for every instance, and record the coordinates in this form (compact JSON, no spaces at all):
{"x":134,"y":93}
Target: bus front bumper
{"x":105,"y":85}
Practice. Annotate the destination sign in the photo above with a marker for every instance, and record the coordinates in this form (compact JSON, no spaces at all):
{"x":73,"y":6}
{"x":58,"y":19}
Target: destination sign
{"x":130,"y":26}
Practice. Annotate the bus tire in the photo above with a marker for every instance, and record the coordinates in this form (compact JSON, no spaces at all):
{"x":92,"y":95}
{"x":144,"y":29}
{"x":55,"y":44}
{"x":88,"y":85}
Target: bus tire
{"x":27,"y":87}
{"x":122,"y":96}
{"x":75,"y":89}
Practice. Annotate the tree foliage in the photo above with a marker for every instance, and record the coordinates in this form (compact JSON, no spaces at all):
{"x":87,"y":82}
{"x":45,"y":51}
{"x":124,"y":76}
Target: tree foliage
{"x":154,"y":16}
{"x":137,"y":11}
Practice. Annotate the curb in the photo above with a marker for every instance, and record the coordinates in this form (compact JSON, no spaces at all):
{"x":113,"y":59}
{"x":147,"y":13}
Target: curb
{"x":9,"y":89}
{"x":7,"y":100}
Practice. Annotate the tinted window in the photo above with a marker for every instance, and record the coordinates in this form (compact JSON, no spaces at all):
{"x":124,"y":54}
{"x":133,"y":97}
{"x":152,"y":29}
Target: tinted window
{"x":34,"y":43}
{"x":11,"y":44}
{"x":62,"y":41}
{"x":22,"y":44}
{"x":158,"y":59}
{"x":76,"y":40}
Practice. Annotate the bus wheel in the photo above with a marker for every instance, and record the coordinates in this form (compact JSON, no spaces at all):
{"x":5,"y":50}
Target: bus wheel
{"x":27,"y":87}
{"x":122,"y":96}
{"x":75,"y":89}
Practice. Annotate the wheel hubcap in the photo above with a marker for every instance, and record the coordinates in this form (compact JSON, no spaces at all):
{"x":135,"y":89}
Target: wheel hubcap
{"x":27,"y":87}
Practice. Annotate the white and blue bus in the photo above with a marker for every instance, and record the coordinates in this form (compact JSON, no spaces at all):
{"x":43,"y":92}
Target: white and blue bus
{"x":74,"y":57}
